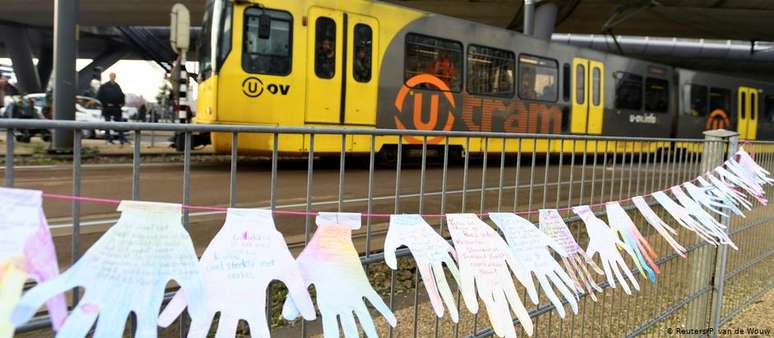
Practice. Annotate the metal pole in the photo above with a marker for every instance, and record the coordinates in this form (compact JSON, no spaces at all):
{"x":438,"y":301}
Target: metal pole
{"x":529,"y":13}
{"x":10,"y":147}
{"x":702,"y":262}
{"x":722,"y":253}
{"x":65,"y":76}
{"x":545,"y":19}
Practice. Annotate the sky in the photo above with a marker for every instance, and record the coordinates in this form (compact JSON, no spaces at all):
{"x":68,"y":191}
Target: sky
{"x":138,"y":77}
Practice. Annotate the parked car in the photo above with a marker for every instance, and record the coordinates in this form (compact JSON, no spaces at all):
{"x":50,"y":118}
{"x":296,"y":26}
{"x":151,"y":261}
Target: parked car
{"x":87,"y":109}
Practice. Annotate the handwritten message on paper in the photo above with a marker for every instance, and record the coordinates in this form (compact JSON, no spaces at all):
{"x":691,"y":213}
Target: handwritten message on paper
{"x":531,"y":245}
{"x":27,"y":248}
{"x":486,"y":263}
{"x":553,"y":225}
{"x":127,"y":269}
{"x":331,"y":263}
{"x":430,"y":252}
{"x":425,"y":244}
{"x":149,"y":249}
{"x":244,"y":257}
{"x":476,"y":245}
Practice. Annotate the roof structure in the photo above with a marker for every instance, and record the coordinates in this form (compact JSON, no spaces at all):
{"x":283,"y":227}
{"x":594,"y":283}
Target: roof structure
{"x":709,"y":19}
{"x":746,"y":20}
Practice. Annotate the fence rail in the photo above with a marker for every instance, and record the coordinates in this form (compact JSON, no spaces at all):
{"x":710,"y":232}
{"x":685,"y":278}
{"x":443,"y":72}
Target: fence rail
{"x":689,"y":292}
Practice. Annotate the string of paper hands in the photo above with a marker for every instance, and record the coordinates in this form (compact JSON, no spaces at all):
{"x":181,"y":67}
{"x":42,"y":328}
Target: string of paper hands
{"x":128,"y":269}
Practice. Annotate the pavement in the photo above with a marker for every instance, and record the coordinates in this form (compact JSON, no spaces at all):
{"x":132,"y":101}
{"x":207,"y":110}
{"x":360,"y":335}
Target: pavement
{"x":153,"y":143}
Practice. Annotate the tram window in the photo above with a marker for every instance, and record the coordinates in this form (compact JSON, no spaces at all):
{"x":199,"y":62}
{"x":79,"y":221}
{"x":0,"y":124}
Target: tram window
{"x":272,"y":55}
{"x":205,"y":50}
{"x":580,"y":84}
{"x":361,"y":67}
{"x":753,"y":106}
{"x":743,"y":106}
{"x":490,"y":71}
{"x":595,"y":86}
{"x":537,"y":78}
{"x":628,"y":91}
{"x":719,"y":98}
{"x":656,"y":95}
{"x":698,"y":100}
{"x":769,"y":108}
{"x":566,"y":82}
{"x":325,"y":48}
{"x":225,"y":34}
{"x":435,"y":56}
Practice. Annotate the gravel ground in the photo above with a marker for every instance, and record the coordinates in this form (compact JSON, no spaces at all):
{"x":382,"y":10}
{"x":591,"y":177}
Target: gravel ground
{"x":760,"y":315}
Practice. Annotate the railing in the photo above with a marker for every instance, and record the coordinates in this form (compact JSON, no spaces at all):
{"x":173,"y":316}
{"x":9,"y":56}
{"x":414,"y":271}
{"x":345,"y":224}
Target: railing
{"x":702,"y":291}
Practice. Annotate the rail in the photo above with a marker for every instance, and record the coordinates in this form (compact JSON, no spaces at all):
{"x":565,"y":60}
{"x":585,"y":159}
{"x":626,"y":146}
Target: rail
{"x":522,"y":181}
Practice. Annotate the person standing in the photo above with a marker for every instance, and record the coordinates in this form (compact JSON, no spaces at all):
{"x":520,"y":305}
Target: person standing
{"x":3,"y":84}
{"x":112,"y":98}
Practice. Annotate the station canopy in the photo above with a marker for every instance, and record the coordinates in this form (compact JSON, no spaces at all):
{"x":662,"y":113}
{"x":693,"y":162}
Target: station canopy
{"x":745,"y":20}
{"x":709,"y":19}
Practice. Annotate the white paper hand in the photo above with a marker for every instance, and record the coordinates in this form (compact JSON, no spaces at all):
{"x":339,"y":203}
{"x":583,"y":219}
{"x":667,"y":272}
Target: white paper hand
{"x":683,"y":217}
{"x":755,"y":171}
{"x":484,"y":258}
{"x":707,"y":199}
{"x":706,"y":221}
{"x":26,"y":250}
{"x":126,"y":270}
{"x":430,"y":252}
{"x":656,"y":222}
{"x":530,"y":247}
{"x":552,"y":224}
{"x":748,"y":175}
{"x":603,"y":240}
{"x":240,"y":262}
{"x":332,"y":264}
{"x":739,"y":178}
{"x":643,"y":252}
{"x":725,"y":191}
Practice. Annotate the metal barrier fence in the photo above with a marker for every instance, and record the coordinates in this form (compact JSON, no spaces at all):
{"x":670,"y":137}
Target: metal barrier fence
{"x":704,"y":290}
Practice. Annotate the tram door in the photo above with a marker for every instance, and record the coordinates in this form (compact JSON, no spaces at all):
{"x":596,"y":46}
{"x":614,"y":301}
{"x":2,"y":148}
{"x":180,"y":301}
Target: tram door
{"x":325,"y":47}
{"x":588,"y":96}
{"x":748,"y":111}
{"x":341,"y":68}
{"x":362,"y":46}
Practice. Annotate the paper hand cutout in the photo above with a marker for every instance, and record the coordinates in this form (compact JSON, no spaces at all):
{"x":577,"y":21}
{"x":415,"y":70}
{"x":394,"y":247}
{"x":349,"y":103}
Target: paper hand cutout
{"x":656,"y":222}
{"x":240,"y":262}
{"x":530,"y":246}
{"x":332,"y":264}
{"x":746,"y":174}
{"x":643,"y":252}
{"x":731,"y":198}
{"x":127,"y":269}
{"x":760,"y":175}
{"x":484,"y":258}
{"x":603,"y":240}
{"x":706,"y":198}
{"x":709,"y":223}
{"x":26,"y":250}
{"x":430,"y":252}
{"x":683,"y":217}
{"x":552,"y":224}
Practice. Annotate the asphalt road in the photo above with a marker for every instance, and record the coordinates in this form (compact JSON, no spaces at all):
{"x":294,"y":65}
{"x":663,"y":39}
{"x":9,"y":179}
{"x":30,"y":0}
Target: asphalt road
{"x":210,"y":187}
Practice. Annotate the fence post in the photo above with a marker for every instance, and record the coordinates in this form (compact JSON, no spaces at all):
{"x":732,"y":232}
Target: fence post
{"x":705,"y":261}
{"x":720,"y":267}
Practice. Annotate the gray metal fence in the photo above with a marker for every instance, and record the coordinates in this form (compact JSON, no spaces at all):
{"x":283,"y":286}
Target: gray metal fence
{"x":702,"y":291}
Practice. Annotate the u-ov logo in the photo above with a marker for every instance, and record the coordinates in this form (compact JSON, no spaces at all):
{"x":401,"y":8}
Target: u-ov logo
{"x":252,"y":86}
{"x":417,"y":115}
{"x":718,"y":119}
